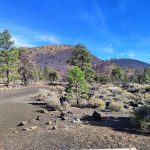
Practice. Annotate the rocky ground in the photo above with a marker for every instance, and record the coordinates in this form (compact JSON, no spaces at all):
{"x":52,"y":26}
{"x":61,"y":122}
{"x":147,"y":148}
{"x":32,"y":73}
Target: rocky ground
{"x":27,"y":124}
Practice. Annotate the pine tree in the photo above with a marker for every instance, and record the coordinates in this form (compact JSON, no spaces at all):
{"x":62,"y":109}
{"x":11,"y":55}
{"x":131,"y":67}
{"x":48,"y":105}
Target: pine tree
{"x":117,"y":73}
{"x":83,"y":59}
{"x":53,"y":75}
{"x":27,"y":68}
{"x":8,"y":57}
{"x":46,"y":72}
{"x":147,"y":75}
{"x":77,"y":85}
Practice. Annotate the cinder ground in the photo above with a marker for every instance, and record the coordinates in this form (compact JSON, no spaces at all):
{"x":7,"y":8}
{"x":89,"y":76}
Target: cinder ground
{"x":17,"y":105}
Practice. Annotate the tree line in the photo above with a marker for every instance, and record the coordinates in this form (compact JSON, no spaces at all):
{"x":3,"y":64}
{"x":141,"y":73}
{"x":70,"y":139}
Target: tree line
{"x":17,"y":64}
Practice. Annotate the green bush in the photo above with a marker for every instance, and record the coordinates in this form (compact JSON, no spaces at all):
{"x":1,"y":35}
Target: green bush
{"x":116,"y":106}
{"x":142,"y":117}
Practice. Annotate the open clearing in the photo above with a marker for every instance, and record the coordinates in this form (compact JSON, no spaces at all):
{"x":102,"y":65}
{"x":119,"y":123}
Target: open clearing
{"x":18,"y":105}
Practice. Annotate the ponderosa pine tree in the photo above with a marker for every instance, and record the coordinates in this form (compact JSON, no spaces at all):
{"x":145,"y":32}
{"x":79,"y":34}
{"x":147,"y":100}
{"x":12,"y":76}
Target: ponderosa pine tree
{"x":46,"y":72}
{"x":83,"y":59}
{"x":27,"y":69}
{"x":117,"y":73}
{"x":147,"y":75}
{"x":8,"y":57}
{"x":53,"y":75}
{"x":77,"y":85}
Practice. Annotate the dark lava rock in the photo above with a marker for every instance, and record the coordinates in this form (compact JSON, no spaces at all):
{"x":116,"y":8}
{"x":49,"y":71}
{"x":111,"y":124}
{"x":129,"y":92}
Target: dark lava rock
{"x":96,"y":116}
{"x":63,"y":116}
{"x":147,"y":90}
{"x":133,"y":104}
{"x":101,"y":97}
{"x":22,"y":123}
{"x":107,"y":104}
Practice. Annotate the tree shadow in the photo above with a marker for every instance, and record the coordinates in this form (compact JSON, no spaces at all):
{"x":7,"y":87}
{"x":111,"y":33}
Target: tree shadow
{"x":121,"y":124}
{"x":42,"y":105}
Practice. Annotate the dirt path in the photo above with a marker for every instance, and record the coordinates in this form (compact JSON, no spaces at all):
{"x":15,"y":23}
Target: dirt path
{"x":16,"y":106}
{"x":18,"y":93}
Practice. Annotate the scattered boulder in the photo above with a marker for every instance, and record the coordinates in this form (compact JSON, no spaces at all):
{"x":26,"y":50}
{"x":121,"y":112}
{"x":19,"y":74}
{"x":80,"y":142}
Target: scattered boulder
{"x":107,"y":104}
{"x":43,"y":111}
{"x":147,"y":90}
{"x":63,"y":116}
{"x":49,"y":123}
{"x":133,"y":90}
{"x":30,"y":128}
{"x":76,"y":120}
{"x":62,"y":100}
{"x":65,"y":105}
{"x":133,"y":104}
{"x":33,"y":127}
{"x":22,"y":123}
{"x":38,"y":118}
{"x":126,"y":106}
{"x":101,"y":97}
{"x":54,"y":128}
{"x":130,"y":88}
{"x":15,"y":131}
{"x":69,"y":112}
{"x":96,"y":116}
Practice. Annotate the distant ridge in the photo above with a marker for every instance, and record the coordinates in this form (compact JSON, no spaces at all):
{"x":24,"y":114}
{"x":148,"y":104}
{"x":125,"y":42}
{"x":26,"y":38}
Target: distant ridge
{"x":126,"y":63}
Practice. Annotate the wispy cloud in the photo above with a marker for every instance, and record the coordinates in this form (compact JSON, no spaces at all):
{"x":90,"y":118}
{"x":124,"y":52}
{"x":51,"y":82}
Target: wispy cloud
{"x":131,"y":55}
{"x":25,"y":36}
{"x":108,"y":49}
{"x":47,"y":38}
{"x":20,"y":42}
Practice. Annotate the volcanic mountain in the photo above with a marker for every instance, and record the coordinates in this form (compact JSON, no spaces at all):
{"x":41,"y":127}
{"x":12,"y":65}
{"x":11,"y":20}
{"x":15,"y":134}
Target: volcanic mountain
{"x":131,"y":63}
{"x":56,"y":56}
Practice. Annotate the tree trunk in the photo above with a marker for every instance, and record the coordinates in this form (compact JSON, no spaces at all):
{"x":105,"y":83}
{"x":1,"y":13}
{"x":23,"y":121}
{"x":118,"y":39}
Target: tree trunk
{"x":24,"y":80}
{"x":77,"y":96}
{"x":7,"y":76}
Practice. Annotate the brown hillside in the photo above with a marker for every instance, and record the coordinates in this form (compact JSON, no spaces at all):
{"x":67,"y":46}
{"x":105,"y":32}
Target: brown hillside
{"x":55,"y":57}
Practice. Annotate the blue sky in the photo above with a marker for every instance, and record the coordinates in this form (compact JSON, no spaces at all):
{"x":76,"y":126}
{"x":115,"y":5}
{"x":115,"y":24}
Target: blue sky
{"x":109,"y":28}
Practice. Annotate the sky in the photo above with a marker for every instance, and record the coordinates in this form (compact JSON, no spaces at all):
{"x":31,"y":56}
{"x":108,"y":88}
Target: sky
{"x":108,"y":28}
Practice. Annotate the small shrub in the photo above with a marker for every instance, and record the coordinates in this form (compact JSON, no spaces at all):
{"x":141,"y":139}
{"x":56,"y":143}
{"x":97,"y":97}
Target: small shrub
{"x":147,"y":98}
{"x":96,"y":103}
{"x":129,"y":95}
{"x":54,"y":103}
{"x":42,"y":95}
{"x":116,"y":106}
{"x":142,"y":117}
{"x":83,"y":103}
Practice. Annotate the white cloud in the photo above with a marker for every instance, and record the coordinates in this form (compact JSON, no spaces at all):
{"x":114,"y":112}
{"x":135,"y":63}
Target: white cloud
{"x":20,"y":42}
{"x":47,"y":38}
{"x":131,"y":55}
{"x":108,"y":49}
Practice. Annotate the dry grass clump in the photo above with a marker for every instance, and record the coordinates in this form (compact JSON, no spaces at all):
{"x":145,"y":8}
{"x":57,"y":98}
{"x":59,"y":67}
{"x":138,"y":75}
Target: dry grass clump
{"x":147,"y":98}
{"x":54,"y":103}
{"x":50,"y":97}
{"x":96,"y":103}
{"x":59,"y":90}
{"x":83,"y":103}
{"x":3,"y":89}
{"x":42,"y":95}
{"x":129,"y":95}
{"x":116,"y":106}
